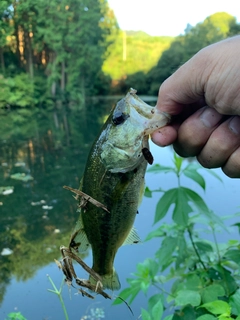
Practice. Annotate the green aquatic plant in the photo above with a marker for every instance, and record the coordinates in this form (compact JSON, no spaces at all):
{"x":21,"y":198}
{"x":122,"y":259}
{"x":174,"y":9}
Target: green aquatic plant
{"x":15,"y":316}
{"x":59,"y":294}
{"x":195,"y":278}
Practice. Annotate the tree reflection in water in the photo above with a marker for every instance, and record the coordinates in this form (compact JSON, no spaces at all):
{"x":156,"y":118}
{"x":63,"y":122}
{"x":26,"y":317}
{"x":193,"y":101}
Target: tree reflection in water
{"x":51,"y":146}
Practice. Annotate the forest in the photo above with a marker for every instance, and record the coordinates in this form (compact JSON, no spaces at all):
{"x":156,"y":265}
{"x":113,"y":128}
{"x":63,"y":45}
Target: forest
{"x":64,"y":51}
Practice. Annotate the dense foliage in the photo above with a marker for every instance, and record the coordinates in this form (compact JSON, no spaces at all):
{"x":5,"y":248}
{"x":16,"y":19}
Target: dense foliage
{"x":134,"y":52}
{"x":56,"y":49}
{"x":194,"y":278}
{"x":64,"y":51}
{"x":214,"y":28}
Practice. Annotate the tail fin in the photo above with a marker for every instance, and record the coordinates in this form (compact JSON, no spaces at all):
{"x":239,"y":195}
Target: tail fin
{"x":109,"y":281}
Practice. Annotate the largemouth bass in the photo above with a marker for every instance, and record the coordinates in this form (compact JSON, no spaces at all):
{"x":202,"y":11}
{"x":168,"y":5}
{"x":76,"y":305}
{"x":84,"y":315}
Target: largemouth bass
{"x":114,"y":176}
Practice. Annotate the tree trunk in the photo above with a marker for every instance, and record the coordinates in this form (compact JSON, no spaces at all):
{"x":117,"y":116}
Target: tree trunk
{"x":29,"y":54}
{"x":2,"y":61}
{"x":63,"y":77}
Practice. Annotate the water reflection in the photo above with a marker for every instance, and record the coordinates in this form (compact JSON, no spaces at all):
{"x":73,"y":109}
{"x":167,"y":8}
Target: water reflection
{"x":51,"y":147}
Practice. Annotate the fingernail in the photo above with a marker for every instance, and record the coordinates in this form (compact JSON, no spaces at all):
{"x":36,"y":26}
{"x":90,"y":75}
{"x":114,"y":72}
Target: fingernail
{"x":210,"y":117}
{"x":234,"y":125}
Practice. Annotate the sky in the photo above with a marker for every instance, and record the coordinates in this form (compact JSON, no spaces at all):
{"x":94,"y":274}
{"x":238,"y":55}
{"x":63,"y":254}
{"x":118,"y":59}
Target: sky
{"x":168,"y":17}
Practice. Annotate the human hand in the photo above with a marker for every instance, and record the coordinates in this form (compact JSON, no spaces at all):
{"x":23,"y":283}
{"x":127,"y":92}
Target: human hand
{"x":203,"y":96}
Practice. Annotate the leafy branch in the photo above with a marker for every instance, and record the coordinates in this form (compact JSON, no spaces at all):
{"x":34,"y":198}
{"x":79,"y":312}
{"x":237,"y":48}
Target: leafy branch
{"x":205,"y":275}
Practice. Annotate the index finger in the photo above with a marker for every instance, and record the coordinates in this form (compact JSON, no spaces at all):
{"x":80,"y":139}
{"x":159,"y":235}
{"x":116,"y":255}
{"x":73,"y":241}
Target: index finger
{"x":182,"y":87}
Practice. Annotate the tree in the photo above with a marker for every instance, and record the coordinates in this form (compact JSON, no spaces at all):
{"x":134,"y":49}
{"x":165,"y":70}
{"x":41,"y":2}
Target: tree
{"x":5,"y":31}
{"x":214,"y":28}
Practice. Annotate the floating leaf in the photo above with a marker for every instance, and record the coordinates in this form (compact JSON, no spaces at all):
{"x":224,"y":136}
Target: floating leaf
{"x":21,"y":176}
{"x":6,"y":190}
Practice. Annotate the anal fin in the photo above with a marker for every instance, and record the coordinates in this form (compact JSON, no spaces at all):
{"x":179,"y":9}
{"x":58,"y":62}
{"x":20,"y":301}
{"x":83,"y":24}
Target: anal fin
{"x":79,"y":240}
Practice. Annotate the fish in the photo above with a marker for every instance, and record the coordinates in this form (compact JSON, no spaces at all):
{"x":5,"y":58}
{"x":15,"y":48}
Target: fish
{"x":114,"y":177}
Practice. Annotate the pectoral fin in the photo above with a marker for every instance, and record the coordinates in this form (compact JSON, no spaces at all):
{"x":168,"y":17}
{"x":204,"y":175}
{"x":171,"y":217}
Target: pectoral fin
{"x":132,"y":238}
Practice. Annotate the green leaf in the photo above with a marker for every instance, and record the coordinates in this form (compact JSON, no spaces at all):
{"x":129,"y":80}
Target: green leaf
{"x":156,"y":168}
{"x":224,"y":317}
{"x":217,"y":307}
{"x":193,"y":282}
{"x":234,"y":302}
{"x":182,"y":208}
{"x":145,"y":315}
{"x":228,"y":281}
{"x":204,"y":246}
{"x":233,"y":243}
{"x":163,"y":205}
{"x":233,"y":254}
{"x":128,"y":294}
{"x":212,"y":292}
{"x":191,"y":173}
{"x":154,"y":299}
{"x":155,"y":234}
{"x":157,"y":310}
{"x":185,"y":297}
{"x":15,"y":316}
{"x":148,"y":193}
{"x":164,"y":254}
{"x":178,"y":162}
{"x":196,"y":200}
{"x":170,"y":317}
{"x":206,"y":317}
{"x":186,"y":313}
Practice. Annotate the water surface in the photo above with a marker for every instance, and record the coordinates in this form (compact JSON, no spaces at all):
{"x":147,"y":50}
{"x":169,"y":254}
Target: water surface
{"x":49,"y":149}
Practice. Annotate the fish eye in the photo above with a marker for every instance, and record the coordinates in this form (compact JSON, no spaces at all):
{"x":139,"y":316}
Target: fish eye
{"x":118,"y":118}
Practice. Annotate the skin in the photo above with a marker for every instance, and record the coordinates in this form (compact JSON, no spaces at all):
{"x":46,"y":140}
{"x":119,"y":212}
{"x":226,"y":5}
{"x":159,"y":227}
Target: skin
{"x":203,"y":96}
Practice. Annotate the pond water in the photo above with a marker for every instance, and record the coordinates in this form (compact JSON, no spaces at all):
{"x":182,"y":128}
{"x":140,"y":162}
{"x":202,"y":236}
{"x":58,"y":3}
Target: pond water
{"x":48,"y":149}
